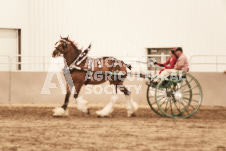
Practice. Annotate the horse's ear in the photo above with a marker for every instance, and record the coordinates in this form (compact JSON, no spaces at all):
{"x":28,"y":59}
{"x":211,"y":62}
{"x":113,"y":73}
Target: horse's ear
{"x":90,"y":45}
{"x":60,"y":37}
{"x":67,"y":37}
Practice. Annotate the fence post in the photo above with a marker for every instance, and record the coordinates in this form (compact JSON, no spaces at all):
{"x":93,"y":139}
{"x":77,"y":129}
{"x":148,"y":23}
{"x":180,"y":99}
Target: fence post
{"x":216,"y":63}
{"x":10,"y":74}
{"x":190,"y":64}
{"x":43,"y":63}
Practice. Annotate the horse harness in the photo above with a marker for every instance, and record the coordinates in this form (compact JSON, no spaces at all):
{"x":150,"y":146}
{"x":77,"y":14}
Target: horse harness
{"x":90,"y":64}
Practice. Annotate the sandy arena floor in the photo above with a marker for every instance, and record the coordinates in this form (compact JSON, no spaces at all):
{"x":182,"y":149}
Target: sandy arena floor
{"x":33,"y":128}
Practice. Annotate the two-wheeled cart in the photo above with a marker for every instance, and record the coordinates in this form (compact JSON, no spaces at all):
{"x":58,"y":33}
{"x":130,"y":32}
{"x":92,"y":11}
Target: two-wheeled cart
{"x":175,"y":96}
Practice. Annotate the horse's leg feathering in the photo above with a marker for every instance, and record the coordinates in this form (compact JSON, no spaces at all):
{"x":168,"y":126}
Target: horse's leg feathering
{"x":59,"y":112}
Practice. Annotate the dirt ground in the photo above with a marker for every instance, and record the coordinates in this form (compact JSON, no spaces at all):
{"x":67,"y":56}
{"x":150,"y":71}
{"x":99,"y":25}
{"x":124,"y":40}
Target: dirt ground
{"x":33,"y":128}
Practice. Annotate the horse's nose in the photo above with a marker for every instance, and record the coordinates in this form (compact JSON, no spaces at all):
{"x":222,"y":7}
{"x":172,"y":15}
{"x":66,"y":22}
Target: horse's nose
{"x":54,"y":53}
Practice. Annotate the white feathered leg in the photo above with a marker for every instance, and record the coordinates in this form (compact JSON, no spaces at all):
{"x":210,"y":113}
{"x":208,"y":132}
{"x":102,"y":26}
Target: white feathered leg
{"x":82,"y":105}
{"x":59,"y":111}
{"x":108,"y":109}
{"x":131,"y":106}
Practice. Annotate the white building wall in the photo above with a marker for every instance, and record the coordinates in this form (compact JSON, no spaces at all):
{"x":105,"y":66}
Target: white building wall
{"x":119,"y":27}
{"x":14,"y":15}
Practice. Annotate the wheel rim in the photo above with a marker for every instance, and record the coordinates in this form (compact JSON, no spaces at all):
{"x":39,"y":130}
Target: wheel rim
{"x":152,"y":102}
{"x":183,"y":99}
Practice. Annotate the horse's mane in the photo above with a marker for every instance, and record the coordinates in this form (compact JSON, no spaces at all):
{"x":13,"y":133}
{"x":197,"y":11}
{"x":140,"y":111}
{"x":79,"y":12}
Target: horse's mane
{"x":74,"y":45}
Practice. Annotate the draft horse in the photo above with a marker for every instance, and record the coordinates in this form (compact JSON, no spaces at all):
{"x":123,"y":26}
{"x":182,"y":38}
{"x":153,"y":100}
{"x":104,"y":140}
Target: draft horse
{"x":83,"y":69}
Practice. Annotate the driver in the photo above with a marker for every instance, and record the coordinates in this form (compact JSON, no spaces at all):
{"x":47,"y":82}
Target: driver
{"x":182,"y":61}
{"x":181,"y":65}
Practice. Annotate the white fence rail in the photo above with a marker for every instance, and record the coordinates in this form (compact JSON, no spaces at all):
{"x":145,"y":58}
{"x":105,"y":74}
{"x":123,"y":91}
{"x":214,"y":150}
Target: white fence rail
{"x":207,"y":63}
{"x":197,"y":63}
{"x":42,"y":63}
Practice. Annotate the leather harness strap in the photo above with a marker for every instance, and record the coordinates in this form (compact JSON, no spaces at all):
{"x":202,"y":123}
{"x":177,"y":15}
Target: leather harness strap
{"x":90,"y":62}
{"x":90,"y":69}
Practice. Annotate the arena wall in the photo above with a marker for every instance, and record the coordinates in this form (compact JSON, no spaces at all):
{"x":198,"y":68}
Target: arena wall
{"x":26,"y":87}
{"x":119,"y":27}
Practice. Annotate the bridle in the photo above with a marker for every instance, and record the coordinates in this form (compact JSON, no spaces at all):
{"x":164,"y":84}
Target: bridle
{"x":79,"y":59}
{"x":64,"y":45}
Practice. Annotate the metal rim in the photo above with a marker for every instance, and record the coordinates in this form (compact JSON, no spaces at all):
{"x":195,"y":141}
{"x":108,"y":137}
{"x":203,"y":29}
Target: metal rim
{"x":183,"y":98}
{"x":152,"y":102}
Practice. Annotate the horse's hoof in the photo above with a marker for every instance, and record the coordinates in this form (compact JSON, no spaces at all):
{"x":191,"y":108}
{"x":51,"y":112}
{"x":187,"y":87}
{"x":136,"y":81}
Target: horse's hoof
{"x":100,"y":114}
{"x":88,"y":112}
{"x":131,"y":115}
{"x":105,"y":116}
{"x":59,"y":112}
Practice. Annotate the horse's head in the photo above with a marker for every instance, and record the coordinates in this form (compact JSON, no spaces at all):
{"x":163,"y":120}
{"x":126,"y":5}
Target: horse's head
{"x":63,"y":46}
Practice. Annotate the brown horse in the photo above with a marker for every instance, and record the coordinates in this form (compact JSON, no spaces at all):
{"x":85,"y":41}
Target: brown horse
{"x":84,"y":70}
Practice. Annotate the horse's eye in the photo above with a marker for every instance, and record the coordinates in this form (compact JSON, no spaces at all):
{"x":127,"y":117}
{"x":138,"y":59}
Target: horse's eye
{"x":64,"y":45}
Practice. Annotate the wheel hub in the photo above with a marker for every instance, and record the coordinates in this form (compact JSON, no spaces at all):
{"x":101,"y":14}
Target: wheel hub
{"x":178,"y":95}
{"x":169,"y":93}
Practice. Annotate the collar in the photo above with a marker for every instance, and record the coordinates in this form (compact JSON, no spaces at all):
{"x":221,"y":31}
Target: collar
{"x":82,"y":56}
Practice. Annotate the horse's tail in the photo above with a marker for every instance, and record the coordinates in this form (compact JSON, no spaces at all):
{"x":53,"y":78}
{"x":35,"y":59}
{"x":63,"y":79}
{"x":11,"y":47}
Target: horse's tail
{"x":129,"y":66}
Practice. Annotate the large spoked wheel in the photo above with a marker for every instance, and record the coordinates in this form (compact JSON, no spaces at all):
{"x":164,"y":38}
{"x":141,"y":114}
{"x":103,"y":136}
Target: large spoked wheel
{"x":178,"y":96}
{"x":152,"y":101}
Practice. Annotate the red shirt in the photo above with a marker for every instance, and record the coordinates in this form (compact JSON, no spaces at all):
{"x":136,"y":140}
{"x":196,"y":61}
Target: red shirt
{"x":170,"y":63}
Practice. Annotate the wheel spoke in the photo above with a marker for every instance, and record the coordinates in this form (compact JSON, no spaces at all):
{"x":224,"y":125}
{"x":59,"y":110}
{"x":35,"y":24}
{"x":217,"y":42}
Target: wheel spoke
{"x":161,"y":98}
{"x":191,"y":80}
{"x":176,"y":106}
{"x":166,"y":104}
{"x":190,"y":89}
{"x":163,"y":103}
{"x":161,"y":91}
{"x":183,"y":85}
{"x":192,"y":106}
{"x":185,"y":88}
{"x":186,"y":98}
{"x":196,"y":94}
{"x":153,"y":103}
{"x":171,"y":108}
{"x":188,"y":92}
{"x":190,"y":99}
{"x":179,"y":105}
{"x":190,"y":103}
{"x":187,"y":83}
{"x":158,"y":110}
{"x":184,"y":106}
